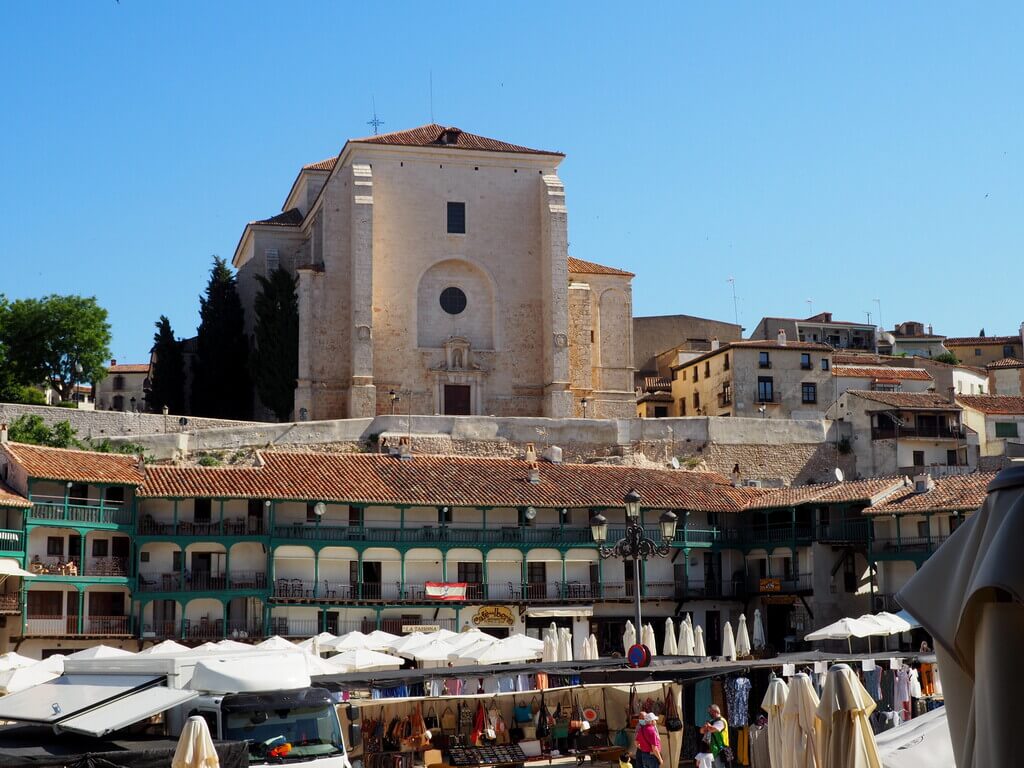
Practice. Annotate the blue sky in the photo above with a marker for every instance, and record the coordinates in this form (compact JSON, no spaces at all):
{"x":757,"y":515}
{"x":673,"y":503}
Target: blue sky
{"x":812,"y":150}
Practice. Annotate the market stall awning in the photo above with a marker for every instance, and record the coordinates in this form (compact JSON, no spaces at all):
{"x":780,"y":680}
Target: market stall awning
{"x":126,"y":710}
{"x":555,"y":612}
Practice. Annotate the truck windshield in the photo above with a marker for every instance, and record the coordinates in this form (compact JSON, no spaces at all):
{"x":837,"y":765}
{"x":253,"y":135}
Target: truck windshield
{"x":309,"y":732}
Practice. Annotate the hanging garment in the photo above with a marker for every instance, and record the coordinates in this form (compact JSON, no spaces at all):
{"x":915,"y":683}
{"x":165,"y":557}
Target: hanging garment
{"x":902,"y":692}
{"x":758,"y":737}
{"x":737,"y":700}
{"x":742,"y":746}
{"x":701,"y":701}
{"x":927,"y":679}
{"x":873,"y":683}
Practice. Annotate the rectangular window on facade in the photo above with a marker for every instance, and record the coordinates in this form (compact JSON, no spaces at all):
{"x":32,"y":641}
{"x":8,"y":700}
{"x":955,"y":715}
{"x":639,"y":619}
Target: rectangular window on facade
{"x":471,"y":573}
{"x":805,"y":361}
{"x":660,"y":411}
{"x":824,"y":364}
{"x":951,"y":457}
{"x":444,"y":517}
{"x":707,"y":368}
{"x":311,"y":516}
{"x":725,"y":367}
{"x":273,"y":259}
{"x":100,"y":547}
{"x":764,"y":360}
{"x":537,"y":573}
{"x":850,"y":572}
{"x":918,"y":458}
{"x":78,"y":493}
{"x":765,"y":389}
{"x":114,"y":494}
{"x":355,"y":516}
{"x":682,"y":406}
{"x":55,"y":546}
{"x":456,"y":218}
{"x":176,"y":561}
{"x":808,"y":392}
{"x":143,"y":557}
{"x":922,"y":529}
{"x":1007,"y":350}
{"x":696,"y":401}
{"x":1006,"y":429}
{"x":977,"y":352}
{"x":202,"y":510}
{"x":695,"y":373}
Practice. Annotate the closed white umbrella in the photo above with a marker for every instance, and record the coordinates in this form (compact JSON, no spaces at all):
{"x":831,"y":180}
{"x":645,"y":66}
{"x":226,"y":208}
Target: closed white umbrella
{"x":564,"y":645}
{"x":195,"y":746}
{"x":20,"y":678}
{"x":773,"y":702}
{"x":742,"y":638}
{"x":728,"y":642}
{"x":698,"y":642}
{"x":844,"y":736}
{"x":628,"y":636}
{"x":592,"y":642}
{"x":670,"y":648}
{"x":550,"y":651}
{"x":686,"y":639}
{"x":799,"y":723}
{"x":585,"y":650}
{"x":647,"y":638}
{"x":758,"y":638}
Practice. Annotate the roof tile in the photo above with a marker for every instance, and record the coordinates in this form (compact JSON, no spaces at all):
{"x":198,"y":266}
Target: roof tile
{"x":866,"y":490}
{"x":881,"y":372}
{"x":1006,"y":362}
{"x":960,"y":341}
{"x":954,"y":493}
{"x":1005,"y":404}
{"x":129,"y":368}
{"x":908,"y":400}
{"x":8,"y":498}
{"x":448,"y":137}
{"x":73,"y":465}
{"x":581,"y":267}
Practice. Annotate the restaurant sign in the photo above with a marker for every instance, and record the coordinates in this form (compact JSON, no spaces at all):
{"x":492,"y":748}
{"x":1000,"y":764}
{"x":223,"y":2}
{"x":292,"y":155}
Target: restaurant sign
{"x":421,"y":627}
{"x":770,"y":585}
{"x":494,"y":616}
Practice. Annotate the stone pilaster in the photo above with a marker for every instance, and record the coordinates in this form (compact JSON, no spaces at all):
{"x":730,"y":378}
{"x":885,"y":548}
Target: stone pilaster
{"x":555,"y":281}
{"x":307,"y":329}
{"x":362,"y":397}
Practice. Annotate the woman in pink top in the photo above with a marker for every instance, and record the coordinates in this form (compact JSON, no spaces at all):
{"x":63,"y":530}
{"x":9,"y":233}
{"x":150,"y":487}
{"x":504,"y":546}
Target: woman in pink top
{"x":648,"y":742}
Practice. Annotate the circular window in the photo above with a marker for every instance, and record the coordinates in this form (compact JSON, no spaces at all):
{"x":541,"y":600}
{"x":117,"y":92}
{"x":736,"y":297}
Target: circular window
{"x":453,"y":300}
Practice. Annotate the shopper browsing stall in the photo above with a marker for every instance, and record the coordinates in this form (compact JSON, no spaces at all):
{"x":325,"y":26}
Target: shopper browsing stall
{"x":648,"y":742}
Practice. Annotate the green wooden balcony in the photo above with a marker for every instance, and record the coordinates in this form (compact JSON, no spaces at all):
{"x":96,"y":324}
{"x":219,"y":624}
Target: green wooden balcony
{"x":57,"y":513}
{"x":11,"y":542}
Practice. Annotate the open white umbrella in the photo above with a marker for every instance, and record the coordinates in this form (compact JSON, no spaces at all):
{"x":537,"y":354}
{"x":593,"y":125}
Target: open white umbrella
{"x":469,"y":638}
{"x":509,"y":651}
{"x":773,"y":703}
{"x":20,"y":678}
{"x":799,"y":723}
{"x":166,"y":648}
{"x":435,"y":650}
{"x":407,"y":642}
{"x":276,"y":643}
{"x":844,"y":629}
{"x":10,"y":567}
{"x":923,"y":742}
{"x":844,"y":736}
{"x":742,"y":638}
{"x":698,"y":642}
{"x":670,"y":648}
{"x":378,"y":640}
{"x":363,"y":660}
{"x":234,"y":645}
{"x":14,"y":660}
{"x":758,"y":638}
{"x":317,"y":641}
{"x":887,"y":623}
{"x":100,"y":652}
{"x":628,"y":636}
{"x":728,"y":642}
{"x":205,"y":649}
{"x":316,"y":665}
{"x":195,"y":746}
{"x":355,"y":639}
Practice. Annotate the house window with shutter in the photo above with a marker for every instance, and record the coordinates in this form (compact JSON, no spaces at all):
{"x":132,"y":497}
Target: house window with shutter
{"x":273,"y":259}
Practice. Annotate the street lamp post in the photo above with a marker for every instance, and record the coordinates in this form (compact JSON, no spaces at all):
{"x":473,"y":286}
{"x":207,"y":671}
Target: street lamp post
{"x":635,"y":545}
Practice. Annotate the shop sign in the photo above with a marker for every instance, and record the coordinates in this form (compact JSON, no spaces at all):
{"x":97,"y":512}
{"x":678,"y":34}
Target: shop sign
{"x":778,"y":599}
{"x":770,"y":585}
{"x":421,"y":627}
{"x":494,"y":616}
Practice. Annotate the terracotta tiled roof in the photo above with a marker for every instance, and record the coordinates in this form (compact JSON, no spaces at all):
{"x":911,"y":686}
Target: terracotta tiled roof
{"x":9,"y":498}
{"x":455,"y":480}
{"x":448,"y":137}
{"x":322,"y":165}
{"x":657,"y":383}
{"x":908,"y":400}
{"x":962,"y":341}
{"x":1006,"y":404}
{"x":655,"y":397}
{"x":881,"y":372}
{"x":581,"y":267}
{"x":1006,"y":362}
{"x":755,"y":344}
{"x":868,"y":490}
{"x":853,"y":358}
{"x":77,"y":466}
{"x":954,"y":493}
{"x":290,"y":218}
{"x":129,"y":368}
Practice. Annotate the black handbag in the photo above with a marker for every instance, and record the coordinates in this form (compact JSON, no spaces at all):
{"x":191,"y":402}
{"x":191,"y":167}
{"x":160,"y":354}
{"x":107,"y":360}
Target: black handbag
{"x":673,"y":723}
{"x":430,"y":720}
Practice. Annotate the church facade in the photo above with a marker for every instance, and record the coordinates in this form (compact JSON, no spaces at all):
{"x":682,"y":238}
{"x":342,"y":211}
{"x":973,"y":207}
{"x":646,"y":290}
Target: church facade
{"x":433,"y":267}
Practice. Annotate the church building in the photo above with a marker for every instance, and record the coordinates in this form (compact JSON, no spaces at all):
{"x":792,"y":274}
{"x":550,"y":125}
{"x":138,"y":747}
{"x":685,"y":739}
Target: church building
{"x":433,"y":267}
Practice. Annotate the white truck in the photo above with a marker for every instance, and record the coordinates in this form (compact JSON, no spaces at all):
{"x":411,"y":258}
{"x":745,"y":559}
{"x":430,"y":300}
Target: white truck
{"x":263,"y":698}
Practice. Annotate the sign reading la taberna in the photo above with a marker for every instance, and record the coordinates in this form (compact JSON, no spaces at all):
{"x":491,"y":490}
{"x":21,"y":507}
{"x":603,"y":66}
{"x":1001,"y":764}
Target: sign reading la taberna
{"x":446,"y":590}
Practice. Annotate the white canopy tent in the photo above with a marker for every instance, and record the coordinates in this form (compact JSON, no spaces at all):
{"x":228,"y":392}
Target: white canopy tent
{"x":363,"y":660}
{"x":20,"y":678}
{"x":379,"y":639}
{"x":923,"y":742}
{"x":317,"y":641}
{"x":166,"y":648}
{"x":276,"y":643}
{"x":14,"y":660}
{"x":233,"y":645}
{"x":100,"y":652}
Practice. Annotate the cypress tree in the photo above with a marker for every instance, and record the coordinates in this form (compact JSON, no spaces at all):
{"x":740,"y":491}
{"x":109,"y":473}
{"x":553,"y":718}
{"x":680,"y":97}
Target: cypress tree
{"x":276,"y":354}
{"x":167,"y":380}
{"x":221,"y":387}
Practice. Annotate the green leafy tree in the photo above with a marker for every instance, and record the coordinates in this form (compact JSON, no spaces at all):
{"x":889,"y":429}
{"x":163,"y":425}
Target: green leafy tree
{"x":221,"y":387}
{"x":60,"y":340}
{"x":167,"y":383}
{"x":31,"y":428}
{"x":275,"y":363}
{"x":947,"y":357}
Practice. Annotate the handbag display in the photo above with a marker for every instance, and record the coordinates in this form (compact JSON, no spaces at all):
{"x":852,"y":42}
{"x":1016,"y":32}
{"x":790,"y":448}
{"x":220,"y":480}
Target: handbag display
{"x":521,"y":713}
{"x":430,"y":720}
{"x":633,"y":709}
{"x":673,"y":723}
{"x":449,"y":720}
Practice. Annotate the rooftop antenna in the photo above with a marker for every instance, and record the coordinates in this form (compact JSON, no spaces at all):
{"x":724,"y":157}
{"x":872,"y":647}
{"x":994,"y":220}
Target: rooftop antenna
{"x":735,"y":306}
{"x":869,"y":317}
{"x":810,"y":307}
{"x":879,"y":303}
{"x":431,"y":97}
{"x":376,"y":122}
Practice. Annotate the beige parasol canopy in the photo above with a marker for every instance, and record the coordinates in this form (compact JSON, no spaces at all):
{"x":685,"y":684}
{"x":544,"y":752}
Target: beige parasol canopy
{"x":195,"y":746}
{"x":799,"y":721}
{"x":844,"y":735}
{"x":772,"y":703}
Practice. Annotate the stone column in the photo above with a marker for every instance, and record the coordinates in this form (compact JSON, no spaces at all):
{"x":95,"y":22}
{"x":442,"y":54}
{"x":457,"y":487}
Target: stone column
{"x":362,"y":396}
{"x":555,"y":282}
{"x":307,"y":327}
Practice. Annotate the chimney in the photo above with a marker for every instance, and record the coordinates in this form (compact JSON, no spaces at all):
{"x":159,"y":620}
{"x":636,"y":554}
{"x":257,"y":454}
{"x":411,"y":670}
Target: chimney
{"x":715,"y":344}
{"x":929,"y":333}
{"x":951,"y":394}
{"x":736,"y":475}
{"x":405,"y":448}
{"x":923,"y":483}
{"x":781,"y":337}
{"x":3,"y":434}
{"x":533,"y":474}
{"x":113,"y":362}
{"x":531,"y":453}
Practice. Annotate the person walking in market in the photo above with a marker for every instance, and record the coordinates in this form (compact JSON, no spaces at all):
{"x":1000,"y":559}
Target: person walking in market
{"x":716,"y":738}
{"x":648,"y":742}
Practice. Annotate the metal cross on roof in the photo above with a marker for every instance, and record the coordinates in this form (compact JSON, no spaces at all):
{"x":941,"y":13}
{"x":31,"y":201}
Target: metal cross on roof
{"x":376,"y":122}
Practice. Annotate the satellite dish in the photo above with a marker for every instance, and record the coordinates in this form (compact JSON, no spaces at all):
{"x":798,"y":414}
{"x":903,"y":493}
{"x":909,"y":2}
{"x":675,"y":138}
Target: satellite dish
{"x":531,"y":513}
{"x":319,"y":509}
{"x":839,"y":474}
{"x":674,"y":463}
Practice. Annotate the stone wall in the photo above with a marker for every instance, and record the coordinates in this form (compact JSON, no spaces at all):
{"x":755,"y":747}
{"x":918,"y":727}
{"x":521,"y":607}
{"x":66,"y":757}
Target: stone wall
{"x":101,"y":424}
{"x":775,"y":451}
